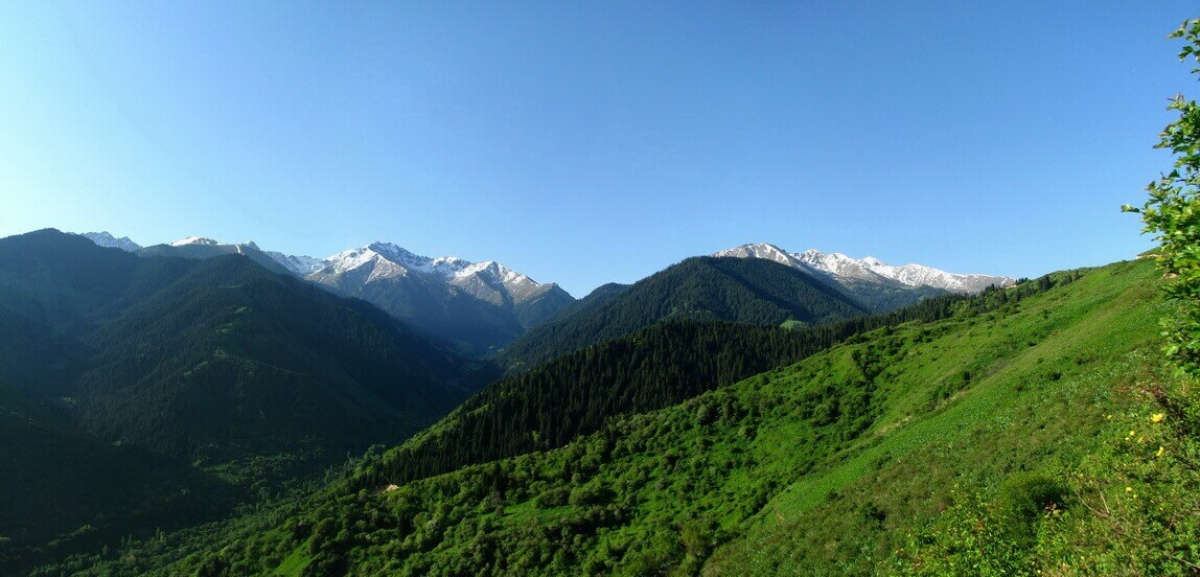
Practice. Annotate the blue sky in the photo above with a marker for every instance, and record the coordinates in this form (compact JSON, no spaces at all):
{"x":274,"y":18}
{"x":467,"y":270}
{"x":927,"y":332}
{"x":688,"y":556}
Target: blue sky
{"x":584,"y":143}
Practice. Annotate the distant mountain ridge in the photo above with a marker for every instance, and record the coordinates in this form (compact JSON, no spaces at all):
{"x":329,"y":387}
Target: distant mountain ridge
{"x":478,"y":306}
{"x":748,"y":291}
{"x":487,"y":280}
{"x":107,"y":240}
{"x":482,"y":307}
{"x":133,"y":337}
{"x":844,"y":269}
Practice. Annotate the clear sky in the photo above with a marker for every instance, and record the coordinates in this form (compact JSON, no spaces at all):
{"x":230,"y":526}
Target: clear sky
{"x":588,"y":142}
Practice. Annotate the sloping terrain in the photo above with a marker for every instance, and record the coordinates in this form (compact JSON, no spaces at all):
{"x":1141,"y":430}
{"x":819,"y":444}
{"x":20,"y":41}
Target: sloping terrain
{"x":62,"y":490}
{"x":478,"y":307}
{"x":577,"y":394}
{"x":169,"y":377}
{"x":750,"y":291}
{"x":210,"y":361}
{"x":819,"y":468}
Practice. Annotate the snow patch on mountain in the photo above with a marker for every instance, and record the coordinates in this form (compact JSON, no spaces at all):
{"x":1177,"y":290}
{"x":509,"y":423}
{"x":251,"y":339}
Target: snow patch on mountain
{"x":298,"y":265}
{"x":487,"y":280}
{"x":196,"y":240}
{"x":352,"y":269}
{"x":107,"y":240}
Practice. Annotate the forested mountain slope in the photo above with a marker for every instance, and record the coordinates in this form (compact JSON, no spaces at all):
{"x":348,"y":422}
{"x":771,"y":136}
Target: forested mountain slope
{"x":551,"y":405}
{"x":749,"y":291}
{"x":576,"y":394}
{"x":824,"y":467}
{"x":211,"y":360}
{"x":63,"y":490}
{"x":188,"y":382}
{"x":233,"y":361}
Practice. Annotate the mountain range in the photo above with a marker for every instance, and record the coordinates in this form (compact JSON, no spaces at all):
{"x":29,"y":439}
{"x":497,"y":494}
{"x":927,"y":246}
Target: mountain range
{"x":482,"y":307}
{"x":476,"y":306}
{"x":966,"y":431}
{"x":881,"y":286}
{"x":707,"y":419}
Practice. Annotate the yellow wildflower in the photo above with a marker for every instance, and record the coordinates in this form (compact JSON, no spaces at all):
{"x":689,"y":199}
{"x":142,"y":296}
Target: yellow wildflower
{"x":1161,"y":451}
{"x":1128,"y":489}
{"x":1157,"y":417}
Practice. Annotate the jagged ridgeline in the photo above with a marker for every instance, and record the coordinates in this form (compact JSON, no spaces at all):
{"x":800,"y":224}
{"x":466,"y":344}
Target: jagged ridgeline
{"x":749,"y":291}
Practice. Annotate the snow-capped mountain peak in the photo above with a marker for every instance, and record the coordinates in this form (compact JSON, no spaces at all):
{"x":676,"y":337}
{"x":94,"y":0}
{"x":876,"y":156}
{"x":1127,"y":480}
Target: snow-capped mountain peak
{"x":376,"y":258}
{"x":109,"y":241}
{"x":487,"y":280}
{"x":759,"y":250}
{"x":396,"y":254}
{"x":842,"y":269}
{"x":476,"y":305}
{"x":204,"y":241}
{"x":196,"y":240}
{"x":299,"y":265}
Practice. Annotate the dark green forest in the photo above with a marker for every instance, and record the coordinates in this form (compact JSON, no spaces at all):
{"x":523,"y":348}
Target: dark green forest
{"x":170,"y":390}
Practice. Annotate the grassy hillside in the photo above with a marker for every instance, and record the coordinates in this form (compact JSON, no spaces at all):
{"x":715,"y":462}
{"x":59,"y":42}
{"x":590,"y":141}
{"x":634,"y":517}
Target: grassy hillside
{"x":830,"y":466}
{"x":970,"y":414}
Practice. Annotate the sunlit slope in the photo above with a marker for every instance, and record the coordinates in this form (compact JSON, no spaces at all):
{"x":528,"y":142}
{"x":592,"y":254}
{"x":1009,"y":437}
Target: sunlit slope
{"x":1041,"y":381}
{"x":812,"y":469}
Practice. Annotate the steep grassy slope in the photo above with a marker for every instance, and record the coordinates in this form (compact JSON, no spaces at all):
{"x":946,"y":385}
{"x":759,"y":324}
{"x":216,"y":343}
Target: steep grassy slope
{"x":818,"y":468}
{"x":750,"y":291}
{"x":1005,"y":395}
